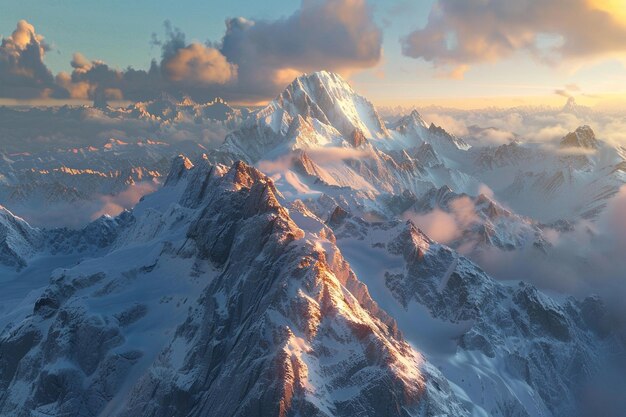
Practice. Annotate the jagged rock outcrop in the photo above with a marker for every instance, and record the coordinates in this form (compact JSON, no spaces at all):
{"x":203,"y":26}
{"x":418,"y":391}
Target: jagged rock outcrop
{"x":357,"y":138}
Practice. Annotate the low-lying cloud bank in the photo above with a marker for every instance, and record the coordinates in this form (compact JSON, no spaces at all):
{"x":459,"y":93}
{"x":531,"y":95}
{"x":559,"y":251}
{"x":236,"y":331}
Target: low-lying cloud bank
{"x":498,"y":126}
{"x":252,"y":62}
{"x":80,"y":213}
{"x":39,"y":130}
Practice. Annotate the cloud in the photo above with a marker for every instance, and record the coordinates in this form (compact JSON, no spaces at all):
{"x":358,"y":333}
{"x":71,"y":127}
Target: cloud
{"x":549,"y":133}
{"x":493,"y":126}
{"x":486,"y":191}
{"x":50,"y":129}
{"x":112,"y":205}
{"x":568,"y":151}
{"x":278,"y":165}
{"x":185,"y":69}
{"x":437,"y":224}
{"x":563,"y":93}
{"x":490,"y":136}
{"x":336,"y":35}
{"x":460,"y":33}
{"x":443,"y":226}
{"x":23,"y":74}
{"x":568,"y":91}
{"x":330,"y":155}
{"x":450,"y":123}
{"x":197,"y":64}
{"x":253,"y":61}
{"x":322,"y":156}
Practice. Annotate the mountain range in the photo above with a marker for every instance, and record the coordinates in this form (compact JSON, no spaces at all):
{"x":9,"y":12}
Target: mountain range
{"x":289,"y":272}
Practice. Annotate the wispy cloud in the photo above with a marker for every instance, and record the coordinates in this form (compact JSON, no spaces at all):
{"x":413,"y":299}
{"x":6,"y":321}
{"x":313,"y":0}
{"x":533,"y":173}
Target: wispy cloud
{"x":79,"y":213}
{"x":446,"y":226}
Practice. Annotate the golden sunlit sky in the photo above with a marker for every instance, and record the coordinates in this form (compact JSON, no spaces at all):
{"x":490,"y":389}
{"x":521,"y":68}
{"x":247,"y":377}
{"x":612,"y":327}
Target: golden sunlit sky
{"x":468,"y":54}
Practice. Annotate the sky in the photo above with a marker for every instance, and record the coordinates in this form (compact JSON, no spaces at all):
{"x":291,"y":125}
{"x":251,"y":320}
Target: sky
{"x":464,"y":54}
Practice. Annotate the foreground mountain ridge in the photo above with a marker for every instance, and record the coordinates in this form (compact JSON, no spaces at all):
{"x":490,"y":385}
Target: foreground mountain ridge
{"x":276,"y":305}
{"x":211,"y":293}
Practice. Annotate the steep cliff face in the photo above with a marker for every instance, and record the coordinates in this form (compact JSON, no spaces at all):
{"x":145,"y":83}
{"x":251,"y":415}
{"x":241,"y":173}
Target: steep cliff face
{"x":18,"y":241}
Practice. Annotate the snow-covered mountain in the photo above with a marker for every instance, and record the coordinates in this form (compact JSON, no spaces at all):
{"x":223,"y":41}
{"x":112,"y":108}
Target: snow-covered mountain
{"x":212,"y":296}
{"x":583,"y":137}
{"x":572,"y":181}
{"x":167,"y":109}
{"x":315,"y":110}
{"x":483,"y":222}
{"x":212,"y":292}
{"x":305,"y":139}
{"x":278,"y":275}
{"x":73,"y":157}
{"x":83,"y":177}
{"x":329,"y":140}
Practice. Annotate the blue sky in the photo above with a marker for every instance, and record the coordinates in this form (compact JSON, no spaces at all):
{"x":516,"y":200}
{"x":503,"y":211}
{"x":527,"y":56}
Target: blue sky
{"x":119,"y":32}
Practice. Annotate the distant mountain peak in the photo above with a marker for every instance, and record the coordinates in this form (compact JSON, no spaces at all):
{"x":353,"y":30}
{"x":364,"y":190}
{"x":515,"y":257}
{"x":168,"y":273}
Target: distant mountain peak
{"x":328,"y":97}
{"x":441,"y":133}
{"x":582,"y":137}
{"x":571,"y":106}
{"x":410,"y":123}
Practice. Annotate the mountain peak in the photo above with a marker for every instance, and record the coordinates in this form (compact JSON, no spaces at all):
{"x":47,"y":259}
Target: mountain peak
{"x":329,"y":79}
{"x":328,"y":97}
{"x":244,"y":175}
{"x":448,"y":138}
{"x":582,"y":137}
{"x":317,"y":109}
{"x":571,"y":106}
{"x":412,"y":122}
{"x":180,"y":165}
{"x":18,"y":241}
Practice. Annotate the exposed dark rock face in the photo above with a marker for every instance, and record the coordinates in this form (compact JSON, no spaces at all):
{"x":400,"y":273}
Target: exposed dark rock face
{"x":583,"y":137}
{"x":337,"y":216}
{"x":357,"y":138}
